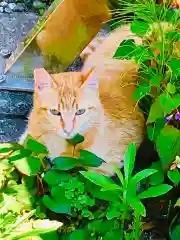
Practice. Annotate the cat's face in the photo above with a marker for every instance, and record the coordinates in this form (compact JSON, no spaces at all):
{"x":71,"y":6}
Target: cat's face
{"x":67,"y":103}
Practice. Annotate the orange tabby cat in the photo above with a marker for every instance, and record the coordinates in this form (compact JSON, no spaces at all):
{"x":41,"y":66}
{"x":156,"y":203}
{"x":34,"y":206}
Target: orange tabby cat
{"x":96,"y":103}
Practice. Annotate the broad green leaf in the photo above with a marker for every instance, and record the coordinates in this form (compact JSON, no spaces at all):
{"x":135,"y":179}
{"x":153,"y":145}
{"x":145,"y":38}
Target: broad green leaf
{"x":139,"y":28}
{"x":28,"y":165}
{"x":168,"y":145}
{"x":142,"y":54}
{"x":141,"y":91}
{"x":100,"y":180}
{"x":156,"y":80}
{"x":176,"y":99}
{"x":89,"y":159}
{"x":77,"y":139}
{"x":175,"y":233}
{"x":114,"y":234}
{"x":35,"y":146}
{"x":171,"y":88}
{"x":79,"y":234}
{"x":42,"y":228}
{"x":54,"y":177}
{"x":19,"y":154}
{"x":57,"y":207}
{"x":129,"y":160}
{"x":177,"y":203}
{"x":174,"y":176}
{"x":137,"y":206}
{"x":175,"y":66}
{"x":126,"y":50}
{"x":100,"y":226}
{"x":106,"y":195}
{"x":156,"y":111}
{"x":155,"y":191}
{"x":167,"y":103}
{"x":58,"y":194}
{"x":7,"y":147}
{"x":173,"y":35}
{"x":142,"y":175}
{"x":158,"y":177}
{"x":154,"y":130}
{"x":65,"y":163}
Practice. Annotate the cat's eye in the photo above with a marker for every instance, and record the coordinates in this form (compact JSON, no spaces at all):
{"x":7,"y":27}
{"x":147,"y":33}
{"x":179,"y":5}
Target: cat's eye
{"x":55,"y":112}
{"x":80,"y":111}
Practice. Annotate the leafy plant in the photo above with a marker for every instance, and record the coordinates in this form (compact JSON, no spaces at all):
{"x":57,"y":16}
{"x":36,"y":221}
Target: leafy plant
{"x":158,"y":60}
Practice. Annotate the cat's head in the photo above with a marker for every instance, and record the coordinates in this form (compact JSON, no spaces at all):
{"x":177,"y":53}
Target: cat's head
{"x":67,"y":103}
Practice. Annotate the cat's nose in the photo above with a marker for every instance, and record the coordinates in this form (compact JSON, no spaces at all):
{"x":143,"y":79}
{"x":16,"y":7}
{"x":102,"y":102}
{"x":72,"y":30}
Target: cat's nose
{"x":67,"y":132}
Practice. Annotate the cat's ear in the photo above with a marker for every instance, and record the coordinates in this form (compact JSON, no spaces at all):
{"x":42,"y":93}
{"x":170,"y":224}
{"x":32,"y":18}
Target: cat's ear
{"x":90,"y":79}
{"x":42,"y":79}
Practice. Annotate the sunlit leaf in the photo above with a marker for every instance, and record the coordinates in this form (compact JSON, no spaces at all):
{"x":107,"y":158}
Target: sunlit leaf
{"x":174,"y":176}
{"x":129,"y":160}
{"x":28,"y":165}
{"x":100,"y":180}
{"x":141,"y":91}
{"x":168,"y":145}
{"x":140,"y":28}
{"x":155,"y":191}
{"x":126,"y":50}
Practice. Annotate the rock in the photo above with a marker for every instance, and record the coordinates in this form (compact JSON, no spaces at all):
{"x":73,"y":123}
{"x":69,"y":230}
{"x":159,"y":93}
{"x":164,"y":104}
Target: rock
{"x":7,"y":10}
{"x":5,"y":53}
{"x":20,"y":7}
{"x":3,"y":4}
{"x":12,"y":6}
{"x":1,"y":9}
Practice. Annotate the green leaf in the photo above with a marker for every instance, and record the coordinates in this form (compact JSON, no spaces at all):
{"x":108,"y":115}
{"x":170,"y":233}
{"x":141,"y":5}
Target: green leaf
{"x":125,"y":50}
{"x":139,"y":28}
{"x":89,"y":159}
{"x":57,"y":206}
{"x":177,"y":203}
{"x":7,"y":147}
{"x":35,"y":146}
{"x":19,"y":154}
{"x":154,"y":131}
{"x":65,"y":163}
{"x":168,"y":145}
{"x":114,"y":234}
{"x":54,"y":177}
{"x":172,"y":36}
{"x":174,"y":64}
{"x":142,"y":175}
{"x":79,"y":234}
{"x":100,"y":226}
{"x":156,"y":80}
{"x":167,"y":103}
{"x":106,"y":195}
{"x":45,"y":229}
{"x":137,"y":206}
{"x":158,"y":177}
{"x":156,"y":111}
{"x":176,"y":99}
{"x":175,"y":233}
{"x":28,"y":165}
{"x":155,"y":191}
{"x":171,"y":88}
{"x":100,"y":180}
{"x":174,"y":176}
{"x":129,"y":160}
{"x":77,"y":139}
{"x":142,"y":54}
{"x":141,"y":91}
